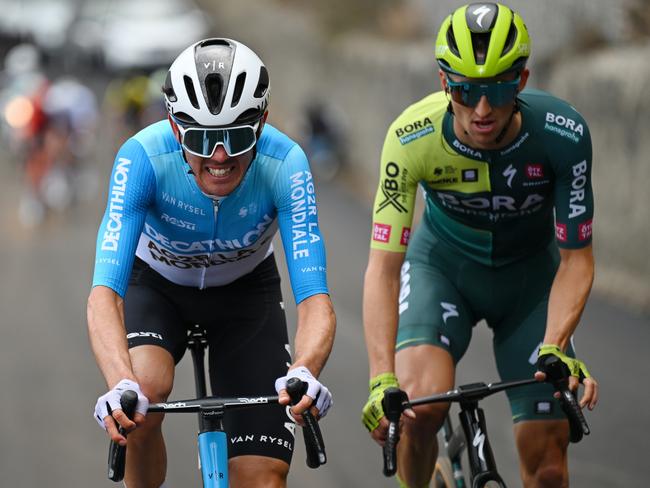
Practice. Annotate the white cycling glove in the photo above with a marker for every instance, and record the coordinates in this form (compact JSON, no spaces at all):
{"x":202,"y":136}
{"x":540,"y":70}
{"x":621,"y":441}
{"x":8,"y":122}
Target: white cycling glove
{"x":111,"y":401}
{"x":315,"y":389}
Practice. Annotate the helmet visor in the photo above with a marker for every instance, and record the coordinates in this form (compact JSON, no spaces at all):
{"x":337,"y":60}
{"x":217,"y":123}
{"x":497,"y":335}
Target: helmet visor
{"x":203,"y":142}
{"x":498,"y":93}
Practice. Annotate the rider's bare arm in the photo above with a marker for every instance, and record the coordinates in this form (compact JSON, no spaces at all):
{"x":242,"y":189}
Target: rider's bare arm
{"x":108,"y":335}
{"x":569,"y":294}
{"x":315,"y":332}
{"x":380,"y":298}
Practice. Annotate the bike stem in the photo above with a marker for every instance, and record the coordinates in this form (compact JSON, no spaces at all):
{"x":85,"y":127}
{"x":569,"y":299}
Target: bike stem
{"x":479,"y":451}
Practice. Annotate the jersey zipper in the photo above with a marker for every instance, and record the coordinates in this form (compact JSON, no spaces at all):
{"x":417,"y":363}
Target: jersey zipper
{"x":215,"y":212}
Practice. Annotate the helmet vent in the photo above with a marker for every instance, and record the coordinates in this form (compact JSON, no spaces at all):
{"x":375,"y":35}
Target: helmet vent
{"x":249,"y":116}
{"x":185,"y":118}
{"x":510,"y":39}
{"x":262,"y":84}
{"x":191,"y":93}
{"x":168,"y":88}
{"x":214,"y":42}
{"x":451,"y":42}
{"x":213,"y":88}
{"x":480,"y":43}
{"x":239,"y":88}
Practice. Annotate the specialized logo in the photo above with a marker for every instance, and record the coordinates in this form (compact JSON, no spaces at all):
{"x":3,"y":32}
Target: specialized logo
{"x":381,"y":232}
{"x":416,"y":130}
{"x":390,"y":189}
{"x":111,"y":238}
{"x":584,"y":230}
{"x":534,"y":171}
{"x":578,"y":189}
{"x":470,"y":175}
{"x":480,"y":13}
{"x":479,"y":441}
{"x":481,"y":17}
{"x":561,"y":232}
{"x":564,"y":126}
{"x":510,"y":173}
{"x":450,"y":310}
{"x":405,"y":287}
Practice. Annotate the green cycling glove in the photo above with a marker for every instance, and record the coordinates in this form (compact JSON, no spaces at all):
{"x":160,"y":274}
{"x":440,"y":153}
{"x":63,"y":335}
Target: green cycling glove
{"x":576,"y":368}
{"x":373,"y":410}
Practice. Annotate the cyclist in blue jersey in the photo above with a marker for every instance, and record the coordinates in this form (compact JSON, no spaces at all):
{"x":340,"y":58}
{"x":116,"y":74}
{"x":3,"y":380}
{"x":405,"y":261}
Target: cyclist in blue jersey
{"x":193,"y":204}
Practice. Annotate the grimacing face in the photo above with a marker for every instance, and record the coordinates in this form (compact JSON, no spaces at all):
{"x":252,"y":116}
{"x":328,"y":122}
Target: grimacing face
{"x":221,"y":173}
{"x":479,"y":126}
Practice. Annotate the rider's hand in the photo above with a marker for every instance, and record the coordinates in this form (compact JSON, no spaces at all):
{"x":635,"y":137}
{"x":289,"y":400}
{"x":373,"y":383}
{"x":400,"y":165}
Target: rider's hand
{"x":317,"y":396}
{"x":578,"y":374}
{"x":108,"y":406}
{"x":372,"y":414}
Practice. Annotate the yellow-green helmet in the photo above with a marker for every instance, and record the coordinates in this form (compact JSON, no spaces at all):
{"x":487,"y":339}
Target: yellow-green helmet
{"x":482,"y":40}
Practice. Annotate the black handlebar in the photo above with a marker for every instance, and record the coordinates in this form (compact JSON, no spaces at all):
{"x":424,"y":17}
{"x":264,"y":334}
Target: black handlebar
{"x":395,"y":401}
{"x":558,"y":375}
{"x":314,"y":446}
{"x":117,"y":453}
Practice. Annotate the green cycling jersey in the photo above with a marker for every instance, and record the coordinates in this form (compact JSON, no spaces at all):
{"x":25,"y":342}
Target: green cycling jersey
{"x":493,"y":206}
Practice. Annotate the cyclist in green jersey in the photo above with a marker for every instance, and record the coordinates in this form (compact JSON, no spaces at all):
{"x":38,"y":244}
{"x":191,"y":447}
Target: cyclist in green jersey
{"x":505,"y":237}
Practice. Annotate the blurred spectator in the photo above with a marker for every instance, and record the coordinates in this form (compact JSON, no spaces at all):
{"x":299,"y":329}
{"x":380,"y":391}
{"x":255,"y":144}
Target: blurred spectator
{"x":49,"y":128}
{"x":323,"y":139}
{"x":133,"y":102}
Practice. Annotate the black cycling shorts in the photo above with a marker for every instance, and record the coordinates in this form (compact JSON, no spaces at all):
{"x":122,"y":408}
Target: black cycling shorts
{"x":248,"y":345}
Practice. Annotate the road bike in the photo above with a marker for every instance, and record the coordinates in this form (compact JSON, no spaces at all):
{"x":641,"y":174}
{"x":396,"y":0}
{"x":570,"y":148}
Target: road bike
{"x":212,"y":440}
{"x":482,"y":465}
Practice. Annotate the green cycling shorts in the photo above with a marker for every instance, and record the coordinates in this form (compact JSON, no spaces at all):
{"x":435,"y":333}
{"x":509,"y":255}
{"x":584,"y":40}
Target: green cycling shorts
{"x":443,"y":294}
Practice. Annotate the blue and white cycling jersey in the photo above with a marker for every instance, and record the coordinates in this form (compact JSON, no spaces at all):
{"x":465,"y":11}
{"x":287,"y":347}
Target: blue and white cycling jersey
{"x":156,"y":211}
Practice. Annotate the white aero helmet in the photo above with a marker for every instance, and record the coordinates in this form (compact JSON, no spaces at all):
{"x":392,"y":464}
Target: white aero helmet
{"x":217,"y":82}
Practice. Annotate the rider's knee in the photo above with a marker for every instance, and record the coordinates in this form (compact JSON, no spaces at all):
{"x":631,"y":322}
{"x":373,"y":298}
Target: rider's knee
{"x":155,"y":389}
{"x":428,"y":418}
{"x":256,"y":471}
{"x":550,"y":475}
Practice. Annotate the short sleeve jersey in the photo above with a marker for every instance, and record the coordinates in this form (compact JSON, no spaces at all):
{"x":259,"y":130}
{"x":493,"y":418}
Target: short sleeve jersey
{"x":493,"y":206}
{"x":156,"y":211}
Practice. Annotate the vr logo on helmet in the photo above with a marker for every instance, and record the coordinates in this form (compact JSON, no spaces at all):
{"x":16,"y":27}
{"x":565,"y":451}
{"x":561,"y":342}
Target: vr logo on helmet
{"x":215,"y":64}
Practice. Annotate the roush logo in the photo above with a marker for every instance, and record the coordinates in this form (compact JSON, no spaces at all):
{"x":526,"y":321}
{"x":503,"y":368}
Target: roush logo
{"x":381,"y":232}
{"x":560,"y":232}
{"x":406,"y":235}
{"x":534,"y":171}
{"x":584,"y":230}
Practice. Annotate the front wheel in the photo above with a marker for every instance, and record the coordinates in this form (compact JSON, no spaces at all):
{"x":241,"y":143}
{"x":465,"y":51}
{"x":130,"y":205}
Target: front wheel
{"x":443,"y":474}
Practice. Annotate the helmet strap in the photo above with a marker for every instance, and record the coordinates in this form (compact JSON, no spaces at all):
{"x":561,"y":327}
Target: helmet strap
{"x":503,"y":132}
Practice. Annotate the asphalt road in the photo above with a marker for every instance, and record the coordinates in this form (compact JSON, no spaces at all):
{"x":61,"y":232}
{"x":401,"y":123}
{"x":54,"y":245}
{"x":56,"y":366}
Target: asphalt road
{"x":49,"y":381}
